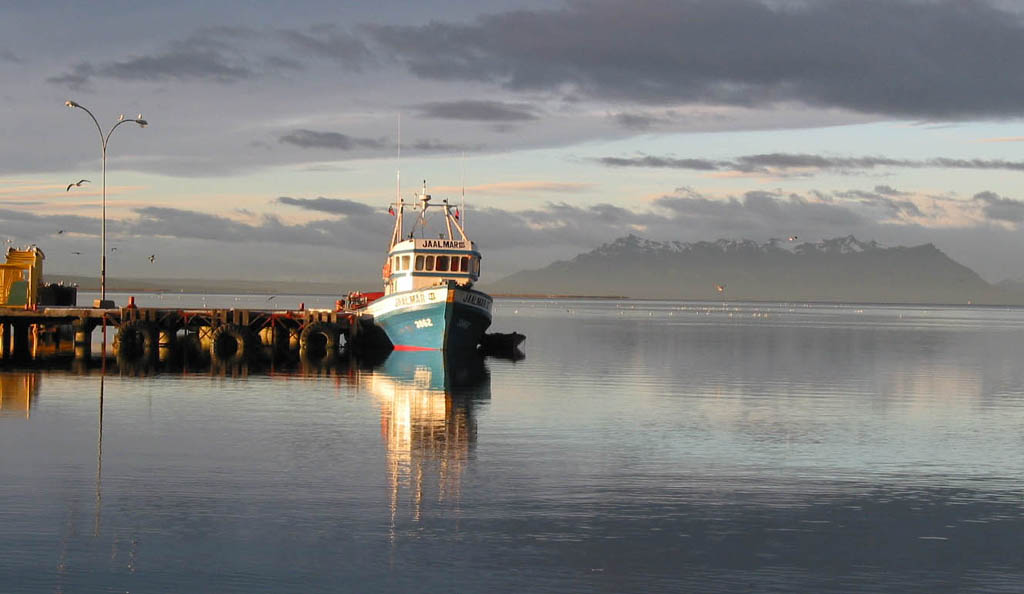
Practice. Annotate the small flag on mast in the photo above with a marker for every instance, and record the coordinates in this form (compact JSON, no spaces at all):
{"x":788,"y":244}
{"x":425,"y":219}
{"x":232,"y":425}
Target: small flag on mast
{"x":391,"y":210}
{"x":456,"y":213}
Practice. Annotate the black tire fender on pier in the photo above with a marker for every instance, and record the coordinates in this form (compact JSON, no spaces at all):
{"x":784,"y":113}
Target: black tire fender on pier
{"x":232,"y":342}
{"x":134,"y":339}
{"x":320,"y":335}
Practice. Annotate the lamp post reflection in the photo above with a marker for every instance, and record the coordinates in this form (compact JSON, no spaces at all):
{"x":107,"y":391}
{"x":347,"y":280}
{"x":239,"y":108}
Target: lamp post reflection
{"x":99,"y":462}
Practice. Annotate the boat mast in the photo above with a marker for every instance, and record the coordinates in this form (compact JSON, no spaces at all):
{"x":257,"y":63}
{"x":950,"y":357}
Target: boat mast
{"x":396,"y":235}
{"x":448,"y":219}
{"x":462,"y":212}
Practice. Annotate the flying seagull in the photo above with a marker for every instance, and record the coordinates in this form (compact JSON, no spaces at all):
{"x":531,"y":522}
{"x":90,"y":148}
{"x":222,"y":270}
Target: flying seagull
{"x":76,"y":253}
{"x":152,"y":257}
{"x":60,"y":231}
{"x":719,"y":288}
{"x":77,"y":183}
{"x":113,"y":249}
{"x":792,"y":238}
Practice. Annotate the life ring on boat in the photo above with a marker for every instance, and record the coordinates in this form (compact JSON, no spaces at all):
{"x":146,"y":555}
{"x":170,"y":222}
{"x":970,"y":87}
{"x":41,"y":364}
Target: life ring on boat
{"x":231,"y":343}
{"x":135,"y":339}
{"x":385,"y":272}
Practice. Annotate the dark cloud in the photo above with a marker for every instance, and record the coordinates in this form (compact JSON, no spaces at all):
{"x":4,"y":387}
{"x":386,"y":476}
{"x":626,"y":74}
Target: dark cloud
{"x":339,"y":206}
{"x":477,"y":111}
{"x":555,"y":224}
{"x":889,"y":191}
{"x":77,"y":79}
{"x":1001,"y":209}
{"x":761,"y":213}
{"x":7,"y":55}
{"x":326,"y":41}
{"x":180,"y":64}
{"x":779,"y":163}
{"x":883,"y":200}
{"x":663,"y":162}
{"x":889,"y":57}
{"x":172,"y":222}
{"x":437,"y":146}
{"x":783,"y":161}
{"x":635,"y":121}
{"x":209,"y":54}
{"x":28,"y":225}
{"x":282,"y":63}
{"x":975,"y":164}
{"x":329,"y":140}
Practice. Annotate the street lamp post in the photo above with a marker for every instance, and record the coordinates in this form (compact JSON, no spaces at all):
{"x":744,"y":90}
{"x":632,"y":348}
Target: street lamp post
{"x":103,"y":229}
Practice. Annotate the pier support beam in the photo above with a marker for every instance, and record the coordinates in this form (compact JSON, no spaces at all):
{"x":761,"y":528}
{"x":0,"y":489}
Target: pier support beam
{"x":83,"y":339}
{"x":20,"y":343}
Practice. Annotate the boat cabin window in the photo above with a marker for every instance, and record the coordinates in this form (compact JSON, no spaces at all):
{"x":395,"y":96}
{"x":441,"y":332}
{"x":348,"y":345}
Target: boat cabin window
{"x":419,"y":262}
{"x":405,"y":262}
{"x":442,"y":263}
{"x":465,"y":264}
{"x":476,"y":266}
{"x":430,"y":263}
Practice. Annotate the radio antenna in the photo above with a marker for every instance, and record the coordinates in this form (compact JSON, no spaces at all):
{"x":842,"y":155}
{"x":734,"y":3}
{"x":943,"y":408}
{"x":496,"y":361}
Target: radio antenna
{"x":398,"y":166}
{"x":462,"y":209}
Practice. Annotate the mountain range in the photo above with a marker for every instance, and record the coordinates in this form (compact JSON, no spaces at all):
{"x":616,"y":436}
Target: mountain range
{"x":839,"y":269}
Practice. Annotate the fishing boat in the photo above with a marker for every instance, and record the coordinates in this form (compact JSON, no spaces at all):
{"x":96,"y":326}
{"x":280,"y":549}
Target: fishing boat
{"x":429,"y":302}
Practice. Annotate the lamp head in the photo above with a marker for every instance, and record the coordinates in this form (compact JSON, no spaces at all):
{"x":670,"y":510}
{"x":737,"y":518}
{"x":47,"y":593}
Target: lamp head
{"x":142,"y":123}
{"x":70,"y":103}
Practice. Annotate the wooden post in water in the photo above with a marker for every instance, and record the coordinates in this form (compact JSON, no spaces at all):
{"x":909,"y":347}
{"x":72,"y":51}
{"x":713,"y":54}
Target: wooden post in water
{"x":20,"y":347}
{"x":83,"y":338}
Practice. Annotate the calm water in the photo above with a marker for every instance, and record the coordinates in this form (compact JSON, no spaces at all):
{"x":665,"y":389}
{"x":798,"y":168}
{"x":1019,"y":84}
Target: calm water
{"x":640,"y":446}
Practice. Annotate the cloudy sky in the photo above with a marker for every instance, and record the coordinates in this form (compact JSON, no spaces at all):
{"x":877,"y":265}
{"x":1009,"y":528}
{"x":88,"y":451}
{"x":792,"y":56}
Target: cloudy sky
{"x":272,"y":148}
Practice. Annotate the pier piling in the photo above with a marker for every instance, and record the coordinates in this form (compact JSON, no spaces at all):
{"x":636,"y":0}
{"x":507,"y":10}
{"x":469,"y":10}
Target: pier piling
{"x":160,"y":335}
{"x":83,"y":338}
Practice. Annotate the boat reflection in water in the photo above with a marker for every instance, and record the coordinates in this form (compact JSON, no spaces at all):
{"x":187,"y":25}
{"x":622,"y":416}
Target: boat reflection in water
{"x":427,"y":403}
{"x":18,"y":392}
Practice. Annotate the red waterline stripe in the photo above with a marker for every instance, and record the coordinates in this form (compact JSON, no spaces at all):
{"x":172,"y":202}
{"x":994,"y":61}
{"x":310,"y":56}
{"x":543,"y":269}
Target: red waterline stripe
{"x":402,"y":347}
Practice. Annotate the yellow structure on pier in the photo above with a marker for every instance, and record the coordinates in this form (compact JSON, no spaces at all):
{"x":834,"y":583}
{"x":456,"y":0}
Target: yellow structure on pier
{"x":20,"y":277}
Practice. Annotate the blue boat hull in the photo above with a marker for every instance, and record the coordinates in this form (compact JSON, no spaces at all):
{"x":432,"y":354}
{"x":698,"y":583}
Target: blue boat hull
{"x":437,"y":318}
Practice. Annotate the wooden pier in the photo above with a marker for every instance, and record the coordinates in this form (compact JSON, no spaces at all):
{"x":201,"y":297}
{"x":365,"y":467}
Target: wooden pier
{"x":144,"y":333}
